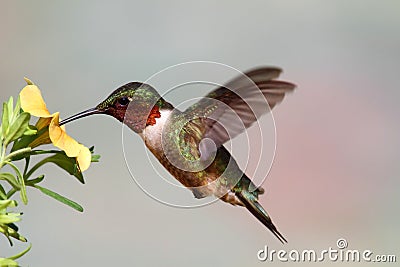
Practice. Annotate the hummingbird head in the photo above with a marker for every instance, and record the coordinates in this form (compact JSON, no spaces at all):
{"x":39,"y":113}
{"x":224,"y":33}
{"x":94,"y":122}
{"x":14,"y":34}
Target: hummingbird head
{"x":134,"y":104}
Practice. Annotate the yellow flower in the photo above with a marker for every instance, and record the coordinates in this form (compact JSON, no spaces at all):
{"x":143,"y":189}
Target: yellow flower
{"x":33,"y":103}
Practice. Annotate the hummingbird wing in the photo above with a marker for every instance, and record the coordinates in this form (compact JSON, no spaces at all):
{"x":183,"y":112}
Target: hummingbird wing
{"x":230,"y":109}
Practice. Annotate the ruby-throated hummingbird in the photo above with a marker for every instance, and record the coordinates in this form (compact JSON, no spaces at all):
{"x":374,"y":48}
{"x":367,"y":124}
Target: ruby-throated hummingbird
{"x":180,"y":140}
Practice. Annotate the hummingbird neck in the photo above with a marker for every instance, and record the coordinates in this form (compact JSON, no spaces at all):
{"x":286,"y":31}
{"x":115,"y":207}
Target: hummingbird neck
{"x":155,"y":113}
{"x":141,"y":114}
{"x":152,"y":133}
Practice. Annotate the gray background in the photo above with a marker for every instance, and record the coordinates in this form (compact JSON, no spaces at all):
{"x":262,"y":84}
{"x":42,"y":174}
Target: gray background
{"x":336,"y":169}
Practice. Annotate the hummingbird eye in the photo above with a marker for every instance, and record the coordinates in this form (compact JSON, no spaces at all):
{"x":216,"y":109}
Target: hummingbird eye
{"x":123,"y":101}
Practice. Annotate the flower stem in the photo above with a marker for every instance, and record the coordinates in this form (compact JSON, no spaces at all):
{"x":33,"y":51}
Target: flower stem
{"x":21,"y":182}
{"x":41,"y":152}
{"x":27,"y":160}
{"x":11,"y":193}
{"x":3,"y":154}
{"x":17,"y":153}
{"x":35,"y":167}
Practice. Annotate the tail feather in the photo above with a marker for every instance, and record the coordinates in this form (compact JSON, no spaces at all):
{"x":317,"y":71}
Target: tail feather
{"x":251,"y":203}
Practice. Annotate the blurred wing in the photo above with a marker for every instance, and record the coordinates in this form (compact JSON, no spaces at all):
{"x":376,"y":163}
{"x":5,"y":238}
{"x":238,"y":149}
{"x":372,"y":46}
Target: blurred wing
{"x":229,"y":110}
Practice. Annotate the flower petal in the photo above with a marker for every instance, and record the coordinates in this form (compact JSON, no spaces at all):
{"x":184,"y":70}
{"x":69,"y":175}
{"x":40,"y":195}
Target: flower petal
{"x":72,"y":148}
{"x":32,"y":101}
{"x":43,"y":139}
{"x":43,"y":122}
{"x":84,"y":158}
{"x":61,"y":139}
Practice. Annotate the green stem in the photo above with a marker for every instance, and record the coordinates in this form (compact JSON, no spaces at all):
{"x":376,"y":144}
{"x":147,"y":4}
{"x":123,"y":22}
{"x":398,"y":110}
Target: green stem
{"x":11,"y":193}
{"x":17,"y":153}
{"x":21,"y":182}
{"x":40,"y":163}
{"x":35,"y":167}
{"x":19,"y":255}
{"x":41,"y":152}
{"x":3,"y":154}
{"x":27,"y":160}
{"x":2,"y":196}
{"x":11,"y":181}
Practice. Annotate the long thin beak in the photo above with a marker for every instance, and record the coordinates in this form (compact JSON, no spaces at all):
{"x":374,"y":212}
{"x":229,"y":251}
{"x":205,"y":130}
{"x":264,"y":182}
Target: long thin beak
{"x":82,"y":114}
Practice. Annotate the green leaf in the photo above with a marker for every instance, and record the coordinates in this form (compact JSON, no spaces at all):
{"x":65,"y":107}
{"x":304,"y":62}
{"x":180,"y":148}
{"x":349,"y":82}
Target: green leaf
{"x":29,"y":82}
{"x":9,"y":218}
{"x":8,"y":231}
{"x":10,"y":107}
{"x":21,"y":182}
{"x":18,"y":128}
{"x":35,"y":181}
{"x":7,"y":203}
{"x":5,"y":121}
{"x":19,"y":255}
{"x":25,"y":140}
{"x":7,"y":262}
{"x":13,"y":226}
{"x":17,"y":109}
{"x":30,"y":130}
{"x":10,"y":179}
{"x":60,"y":198}
{"x":95,"y":158}
{"x":62,"y":161}
{"x":3,"y":194}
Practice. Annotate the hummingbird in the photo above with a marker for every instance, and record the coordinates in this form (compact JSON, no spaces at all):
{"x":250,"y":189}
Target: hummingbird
{"x":190,"y":143}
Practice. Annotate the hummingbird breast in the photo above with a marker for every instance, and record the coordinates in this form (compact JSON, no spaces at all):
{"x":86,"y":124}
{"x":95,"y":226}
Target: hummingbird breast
{"x":211,"y":180}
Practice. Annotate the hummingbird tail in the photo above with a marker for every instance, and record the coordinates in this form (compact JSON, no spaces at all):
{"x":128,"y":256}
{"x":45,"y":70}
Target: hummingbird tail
{"x":251,"y":203}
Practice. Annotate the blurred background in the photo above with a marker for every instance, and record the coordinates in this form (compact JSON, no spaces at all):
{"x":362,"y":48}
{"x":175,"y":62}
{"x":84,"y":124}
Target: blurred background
{"x":336,"y":171}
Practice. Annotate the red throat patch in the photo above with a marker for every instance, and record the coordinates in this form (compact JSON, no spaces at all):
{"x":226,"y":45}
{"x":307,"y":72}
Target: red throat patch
{"x":154,"y":113}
